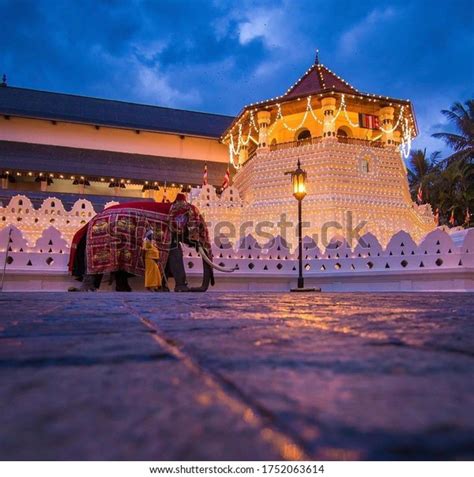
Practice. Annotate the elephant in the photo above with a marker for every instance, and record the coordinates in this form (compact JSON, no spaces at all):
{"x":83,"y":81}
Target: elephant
{"x":112,"y":243}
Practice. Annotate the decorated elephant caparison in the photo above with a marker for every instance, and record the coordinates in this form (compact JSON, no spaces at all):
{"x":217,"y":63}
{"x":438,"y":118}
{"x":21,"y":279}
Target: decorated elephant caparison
{"x":112,"y":243}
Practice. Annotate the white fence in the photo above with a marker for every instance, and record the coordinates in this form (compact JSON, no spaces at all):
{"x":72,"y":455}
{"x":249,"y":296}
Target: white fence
{"x":32,"y":222}
{"x":436,"y":252}
{"x":38,"y":243}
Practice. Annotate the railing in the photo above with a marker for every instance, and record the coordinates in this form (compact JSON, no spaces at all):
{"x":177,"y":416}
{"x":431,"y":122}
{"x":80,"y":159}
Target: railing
{"x":360,"y":142}
{"x":292,"y":144}
{"x":315,"y":140}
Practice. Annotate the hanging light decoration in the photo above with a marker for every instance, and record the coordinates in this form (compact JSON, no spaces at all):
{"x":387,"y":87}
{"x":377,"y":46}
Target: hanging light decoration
{"x":117,"y":184}
{"x":8,"y":177}
{"x":150,"y":186}
{"x":81,"y":181}
{"x":43,"y":178}
{"x":235,"y":146}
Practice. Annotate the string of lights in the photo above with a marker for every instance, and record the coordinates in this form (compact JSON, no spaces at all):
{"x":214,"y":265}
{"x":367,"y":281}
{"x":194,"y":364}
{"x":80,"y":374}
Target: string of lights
{"x":252,"y":122}
{"x":292,"y":129}
{"x":405,"y":146}
{"x":49,"y":176}
{"x":231,"y":154}
{"x":392,"y":129}
{"x":406,"y":135}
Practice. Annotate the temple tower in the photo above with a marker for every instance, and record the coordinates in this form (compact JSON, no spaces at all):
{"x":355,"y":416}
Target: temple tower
{"x":328,"y":105}
{"x":349,"y":144}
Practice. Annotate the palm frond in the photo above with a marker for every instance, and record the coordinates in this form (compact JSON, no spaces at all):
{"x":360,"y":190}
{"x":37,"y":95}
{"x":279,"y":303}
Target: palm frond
{"x":456,"y":141}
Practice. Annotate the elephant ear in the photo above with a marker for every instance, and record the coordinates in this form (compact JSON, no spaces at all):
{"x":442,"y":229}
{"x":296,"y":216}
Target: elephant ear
{"x":179,"y":216}
{"x":198,"y":231}
{"x":185,"y":215}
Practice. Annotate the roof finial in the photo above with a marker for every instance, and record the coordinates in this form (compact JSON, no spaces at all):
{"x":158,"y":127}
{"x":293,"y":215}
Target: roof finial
{"x":316,"y":58}
{"x":4,"y":80}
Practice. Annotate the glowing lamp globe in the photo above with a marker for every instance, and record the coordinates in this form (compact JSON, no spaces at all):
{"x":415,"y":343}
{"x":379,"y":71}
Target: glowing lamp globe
{"x":298,"y":180}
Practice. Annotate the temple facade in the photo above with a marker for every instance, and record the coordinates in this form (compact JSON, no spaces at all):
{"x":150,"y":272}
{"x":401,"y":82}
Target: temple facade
{"x":53,"y":143}
{"x":65,"y":158}
{"x":351,"y":145}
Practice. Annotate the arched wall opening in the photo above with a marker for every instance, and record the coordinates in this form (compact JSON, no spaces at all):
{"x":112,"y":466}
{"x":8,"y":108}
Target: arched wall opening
{"x":302,"y":135}
{"x":344,"y":131}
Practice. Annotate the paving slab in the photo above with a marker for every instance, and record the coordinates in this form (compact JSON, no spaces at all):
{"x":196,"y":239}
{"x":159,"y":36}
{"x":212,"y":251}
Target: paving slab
{"x":141,"y":376}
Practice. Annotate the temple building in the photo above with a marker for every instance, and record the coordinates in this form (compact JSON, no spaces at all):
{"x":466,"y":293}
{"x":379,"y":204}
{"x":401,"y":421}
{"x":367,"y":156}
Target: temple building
{"x":66,"y":144}
{"x":64,"y":158}
{"x":350,"y":143}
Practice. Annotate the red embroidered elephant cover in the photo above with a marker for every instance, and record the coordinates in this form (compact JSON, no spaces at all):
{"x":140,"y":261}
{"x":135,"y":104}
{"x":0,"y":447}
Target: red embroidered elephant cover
{"x":115,"y":236}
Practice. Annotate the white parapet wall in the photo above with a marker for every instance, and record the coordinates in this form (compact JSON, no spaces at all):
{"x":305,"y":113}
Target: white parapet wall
{"x":35,"y":250}
{"x":436,"y":264}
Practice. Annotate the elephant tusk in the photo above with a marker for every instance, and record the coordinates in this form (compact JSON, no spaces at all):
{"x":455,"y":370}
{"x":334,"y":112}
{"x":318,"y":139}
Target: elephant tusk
{"x":212,"y":264}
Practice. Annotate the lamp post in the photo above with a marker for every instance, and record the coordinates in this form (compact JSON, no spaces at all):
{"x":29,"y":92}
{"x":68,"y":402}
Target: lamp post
{"x":298,"y":182}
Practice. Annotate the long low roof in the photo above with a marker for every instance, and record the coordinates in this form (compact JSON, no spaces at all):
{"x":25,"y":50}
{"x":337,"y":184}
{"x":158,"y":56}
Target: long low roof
{"x":103,"y":112}
{"x":20,"y":156}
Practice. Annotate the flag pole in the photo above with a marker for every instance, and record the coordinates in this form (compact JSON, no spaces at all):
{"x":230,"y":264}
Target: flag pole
{"x":204,"y":176}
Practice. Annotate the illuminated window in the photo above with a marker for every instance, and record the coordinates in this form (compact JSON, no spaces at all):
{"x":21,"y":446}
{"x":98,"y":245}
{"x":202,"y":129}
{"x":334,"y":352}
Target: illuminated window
{"x":364,"y":166}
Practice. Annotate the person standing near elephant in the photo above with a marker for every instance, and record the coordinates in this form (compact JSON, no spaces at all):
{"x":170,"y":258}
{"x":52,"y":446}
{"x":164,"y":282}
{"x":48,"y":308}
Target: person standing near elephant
{"x":112,"y":242}
{"x":152,"y":270}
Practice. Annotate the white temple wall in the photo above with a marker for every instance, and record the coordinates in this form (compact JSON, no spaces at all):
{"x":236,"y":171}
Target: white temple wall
{"x":38,"y":244}
{"x":368,"y":182}
{"x":434,"y":265}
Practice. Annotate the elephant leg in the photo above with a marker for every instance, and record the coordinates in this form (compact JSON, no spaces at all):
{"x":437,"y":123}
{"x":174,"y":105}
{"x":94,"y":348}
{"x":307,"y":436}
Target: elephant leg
{"x":97,"y":280}
{"x":176,"y":267}
{"x":89,"y":282}
{"x":121,"y":282}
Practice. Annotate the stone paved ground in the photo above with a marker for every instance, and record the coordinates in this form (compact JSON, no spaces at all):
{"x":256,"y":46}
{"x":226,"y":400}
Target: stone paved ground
{"x":231,"y":376}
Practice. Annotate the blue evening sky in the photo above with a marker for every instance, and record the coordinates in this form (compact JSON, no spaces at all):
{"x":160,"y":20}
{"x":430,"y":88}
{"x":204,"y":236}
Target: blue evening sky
{"x":219,"y":55}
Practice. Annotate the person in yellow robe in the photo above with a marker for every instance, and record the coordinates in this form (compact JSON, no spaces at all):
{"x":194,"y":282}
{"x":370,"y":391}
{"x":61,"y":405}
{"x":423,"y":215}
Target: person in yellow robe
{"x":152,"y":269}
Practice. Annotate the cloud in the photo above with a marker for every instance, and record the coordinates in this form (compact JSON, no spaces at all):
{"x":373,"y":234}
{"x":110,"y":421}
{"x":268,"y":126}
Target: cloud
{"x":269,"y":24}
{"x":155,"y":86}
{"x":218,"y":55}
{"x":431,"y":120}
{"x":269,"y":35}
{"x":142,"y":78}
{"x":264,"y":25}
{"x":351,"y":39}
{"x":154,"y":83}
{"x":267,"y":68}
{"x":149,"y":50}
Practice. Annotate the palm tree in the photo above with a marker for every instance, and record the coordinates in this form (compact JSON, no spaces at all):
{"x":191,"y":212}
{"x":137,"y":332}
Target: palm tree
{"x":453,"y":190}
{"x":421,"y":171}
{"x":462,"y":142}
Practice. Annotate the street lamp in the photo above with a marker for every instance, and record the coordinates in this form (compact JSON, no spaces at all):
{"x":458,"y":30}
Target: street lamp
{"x":298,"y":182}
